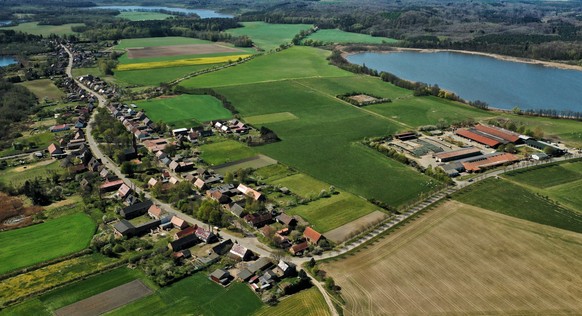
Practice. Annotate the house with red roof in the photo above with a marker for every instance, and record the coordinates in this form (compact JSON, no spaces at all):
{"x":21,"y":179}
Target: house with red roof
{"x":312,"y":236}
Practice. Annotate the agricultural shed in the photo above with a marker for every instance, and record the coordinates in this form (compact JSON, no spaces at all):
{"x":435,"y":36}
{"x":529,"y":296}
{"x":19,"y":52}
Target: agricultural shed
{"x":183,"y":243}
{"x":457,"y":154}
{"x":499,"y":132}
{"x":463,"y":132}
{"x":136,"y":210}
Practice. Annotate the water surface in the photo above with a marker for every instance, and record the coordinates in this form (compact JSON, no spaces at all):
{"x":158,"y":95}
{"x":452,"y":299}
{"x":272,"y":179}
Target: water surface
{"x":203,"y":13}
{"x":5,"y":61}
{"x":502,"y":84}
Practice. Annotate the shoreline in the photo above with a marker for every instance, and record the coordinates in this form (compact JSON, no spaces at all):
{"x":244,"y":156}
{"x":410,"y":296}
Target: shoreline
{"x":550,"y":64}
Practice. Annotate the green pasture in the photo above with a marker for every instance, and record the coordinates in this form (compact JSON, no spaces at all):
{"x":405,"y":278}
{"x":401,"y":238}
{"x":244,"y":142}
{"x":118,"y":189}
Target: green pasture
{"x":293,"y":63}
{"x":196,"y":295}
{"x":33,"y":244}
{"x":46,"y":304}
{"x":41,"y":140}
{"x":153,"y":77}
{"x":308,"y":302}
{"x":324,"y":141}
{"x":44,"y":30}
{"x":545,"y":176}
{"x":143,"y":16}
{"x":341,"y":37}
{"x":158,"y":41}
{"x":44,"y":88}
{"x":270,"y":118}
{"x":185,"y":110}
{"x":514,"y":200}
{"x":256,"y":162}
{"x":419,"y":111}
{"x":273,"y":172}
{"x":225,"y":151}
{"x":302,"y":185}
{"x":13,"y":176}
{"x":269,"y":36}
{"x":328,"y":213}
{"x":568,"y":194}
{"x":361,"y":84}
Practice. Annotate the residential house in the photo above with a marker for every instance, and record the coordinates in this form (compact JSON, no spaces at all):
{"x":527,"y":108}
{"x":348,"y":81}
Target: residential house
{"x":174,"y":166}
{"x":59,"y":128}
{"x":244,"y":275}
{"x":56,"y":151}
{"x":111,"y":185}
{"x":312,"y":236}
{"x":199,"y":184}
{"x":286,"y":220}
{"x":220,"y":276}
{"x":179,"y":223}
{"x":136,"y":210}
{"x":298,"y":248}
{"x":174,"y":180}
{"x":259,"y":219}
{"x":205,"y":236}
{"x":260,"y":265}
{"x":223,"y":247}
{"x":191,"y":230}
{"x":152,"y":182}
{"x":124,"y":191}
{"x":257,"y":196}
{"x":284,"y":269}
{"x":240,"y":252}
{"x":155,"y":211}
{"x":183,"y":243}
{"x":93,"y":164}
{"x":237,"y":210}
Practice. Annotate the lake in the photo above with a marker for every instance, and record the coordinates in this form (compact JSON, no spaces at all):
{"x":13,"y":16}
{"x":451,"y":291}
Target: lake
{"x":204,"y":14}
{"x":502,"y":84}
{"x":5,"y":22}
{"x":5,"y":61}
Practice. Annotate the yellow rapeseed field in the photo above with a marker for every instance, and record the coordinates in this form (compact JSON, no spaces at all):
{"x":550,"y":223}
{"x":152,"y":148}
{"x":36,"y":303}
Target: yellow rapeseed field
{"x":181,"y":62}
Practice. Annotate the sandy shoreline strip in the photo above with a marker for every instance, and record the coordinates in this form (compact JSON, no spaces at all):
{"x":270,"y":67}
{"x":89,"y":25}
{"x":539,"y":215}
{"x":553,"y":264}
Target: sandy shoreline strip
{"x":496,"y":56}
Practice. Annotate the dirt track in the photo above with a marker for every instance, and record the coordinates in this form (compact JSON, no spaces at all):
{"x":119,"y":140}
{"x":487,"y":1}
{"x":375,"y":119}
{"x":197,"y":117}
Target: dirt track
{"x":179,"y":50}
{"x":460,"y":259}
{"x":106,"y":301}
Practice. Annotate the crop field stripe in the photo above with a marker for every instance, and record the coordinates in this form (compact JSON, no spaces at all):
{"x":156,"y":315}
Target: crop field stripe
{"x":181,"y":62}
{"x":354,"y":106}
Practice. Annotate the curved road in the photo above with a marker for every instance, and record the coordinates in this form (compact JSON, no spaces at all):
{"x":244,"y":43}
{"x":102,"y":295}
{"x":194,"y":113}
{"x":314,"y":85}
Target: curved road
{"x":253,"y":243}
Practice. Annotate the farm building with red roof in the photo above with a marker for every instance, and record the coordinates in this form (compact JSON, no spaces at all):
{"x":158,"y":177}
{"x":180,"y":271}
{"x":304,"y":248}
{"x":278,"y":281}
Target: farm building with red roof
{"x":463,"y":132}
{"x":499,"y":132}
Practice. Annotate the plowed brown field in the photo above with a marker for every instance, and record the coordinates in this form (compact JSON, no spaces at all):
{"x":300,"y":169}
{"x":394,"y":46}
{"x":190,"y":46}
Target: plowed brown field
{"x":460,"y":259}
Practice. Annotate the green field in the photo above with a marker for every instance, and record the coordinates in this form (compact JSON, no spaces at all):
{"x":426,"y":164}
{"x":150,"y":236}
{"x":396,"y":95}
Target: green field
{"x":545,"y":176}
{"x":45,"y":241}
{"x":302,"y":185}
{"x":41,"y":140}
{"x":196,"y":295}
{"x":324,"y":141}
{"x":143,"y":16}
{"x":44,"y":88}
{"x":269,"y":36}
{"x":44,"y":30}
{"x":418,"y":111}
{"x":514,"y":200}
{"x":185,"y":110}
{"x":270,"y":118}
{"x":153,"y":77}
{"x":15,"y":176}
{"x":46,"y":304}
{"x":328,"y":213}
{"x":305,"y":303}
{"x":340,"y":37}
{"x":294,"y":63}
{"x":158,"y":41}
{"x":225,"y":151}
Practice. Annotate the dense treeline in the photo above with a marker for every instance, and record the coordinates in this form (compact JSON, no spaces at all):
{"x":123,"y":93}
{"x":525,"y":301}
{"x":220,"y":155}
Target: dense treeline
{"x":208,"y":29}
{"x":16,"y":103}
{"x":18,"y":43}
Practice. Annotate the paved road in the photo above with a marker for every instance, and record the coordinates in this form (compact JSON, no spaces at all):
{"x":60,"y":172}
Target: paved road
{"x":261,"y":249}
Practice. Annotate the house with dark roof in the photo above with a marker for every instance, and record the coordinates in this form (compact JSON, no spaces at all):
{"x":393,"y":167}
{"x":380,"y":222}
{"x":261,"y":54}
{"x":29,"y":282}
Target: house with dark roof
{"x":223,"y":247}
{"x":244,"y":275}
{"x":136,"y":210}
{"x":127,"y":229}
{"x":183,"y":243}
{"x":287,"y":220}
{"x":259,"y":219}
{"x":298,"y":248}
{"x":220,"y":276}
{"x":260,"y":265}
{"x":237,"y":210}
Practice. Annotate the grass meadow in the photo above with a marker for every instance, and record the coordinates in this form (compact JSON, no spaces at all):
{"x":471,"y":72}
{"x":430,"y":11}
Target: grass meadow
{"x":44,"y":88}
{"x":269,"y":36}
{"x":37,"y":243}
{"x":158,"y":41}
{"x":308,"y":302}
{"x":153,"y":77}
{"x":457,"y":259}
{"x":47,"y":303}
{"x":293,"y":63}
{"x":340,"y":37}
{"x":44,"y":30}
{"x":185,"y":110}
{"x":196,"y":295}
{"x":514,"y":200}
{"x":16,"y":176}
{"x":225,"y":151}
{"x":545,"y":176}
